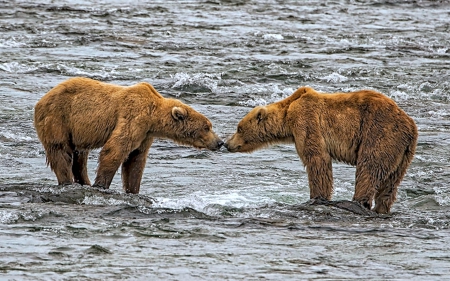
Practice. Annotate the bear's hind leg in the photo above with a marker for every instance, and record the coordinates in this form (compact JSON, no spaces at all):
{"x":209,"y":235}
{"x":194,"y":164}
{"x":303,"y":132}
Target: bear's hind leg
{"x":387,"y":193}
{"x":79,"y":167}
{"x":366,"y":184}
{"x":59,"y":157}
{"x":385,"y":198}
{"x":133,"y":167}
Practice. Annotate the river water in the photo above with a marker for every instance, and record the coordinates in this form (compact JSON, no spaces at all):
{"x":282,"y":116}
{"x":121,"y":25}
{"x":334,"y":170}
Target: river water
{"x":205,"y":215}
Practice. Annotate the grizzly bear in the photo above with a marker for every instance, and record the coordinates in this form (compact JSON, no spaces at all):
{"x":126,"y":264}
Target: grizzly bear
{"x":365,"y":129}
{"x":82,"y":114}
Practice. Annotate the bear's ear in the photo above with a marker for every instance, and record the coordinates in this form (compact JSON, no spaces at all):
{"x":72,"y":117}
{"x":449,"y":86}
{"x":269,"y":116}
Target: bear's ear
{"x":179,"y":113}
{"x":261,"y":114}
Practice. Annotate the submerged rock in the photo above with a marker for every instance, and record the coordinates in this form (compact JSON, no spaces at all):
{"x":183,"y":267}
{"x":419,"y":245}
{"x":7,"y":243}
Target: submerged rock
{"x":69,"y":194}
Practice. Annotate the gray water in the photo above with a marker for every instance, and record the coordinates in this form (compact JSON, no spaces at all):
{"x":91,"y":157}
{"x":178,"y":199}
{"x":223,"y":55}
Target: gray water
{"x":215,"y":215}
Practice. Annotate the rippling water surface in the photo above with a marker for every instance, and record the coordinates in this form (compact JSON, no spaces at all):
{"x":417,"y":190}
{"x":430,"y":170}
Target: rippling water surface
{"x":214,"y":215}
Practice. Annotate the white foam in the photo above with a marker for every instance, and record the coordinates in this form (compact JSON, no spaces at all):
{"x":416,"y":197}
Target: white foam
{"x":97,"y":200}
{"x":8,"y":216}
{"x":335,"y":78}
{"x":342,"y":189}
{"x":192,"y":201}
{"x":442,"y":196}
{"x":273,"y":36}
{"x":15,"y":67}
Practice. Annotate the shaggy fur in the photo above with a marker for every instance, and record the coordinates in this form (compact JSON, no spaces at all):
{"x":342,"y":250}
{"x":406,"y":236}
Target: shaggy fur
{"x":365,"y":129}
{"x":81,"y":114}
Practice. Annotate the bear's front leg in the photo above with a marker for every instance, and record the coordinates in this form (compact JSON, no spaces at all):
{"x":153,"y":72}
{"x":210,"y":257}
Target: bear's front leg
{"x":107,"y":167}
{"x":133,"y":167}
{"x":320,"y":177}
{"x":312,"y":151}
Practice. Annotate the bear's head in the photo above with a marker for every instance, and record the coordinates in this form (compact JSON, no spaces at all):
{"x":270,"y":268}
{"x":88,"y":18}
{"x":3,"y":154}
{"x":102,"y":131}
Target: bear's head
{"x":265,"y":125}
{"x":190,"y":127}
{"x":262,"y":126}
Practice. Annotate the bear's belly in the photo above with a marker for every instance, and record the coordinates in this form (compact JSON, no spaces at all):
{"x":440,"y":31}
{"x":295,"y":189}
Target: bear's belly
{"x":344,"y":154}
{"x":90,"y":137}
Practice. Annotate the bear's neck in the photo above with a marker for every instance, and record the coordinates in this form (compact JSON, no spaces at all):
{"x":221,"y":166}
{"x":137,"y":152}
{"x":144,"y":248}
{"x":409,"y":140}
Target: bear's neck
{"x":160,"y":119}
{"x":279,"y":124}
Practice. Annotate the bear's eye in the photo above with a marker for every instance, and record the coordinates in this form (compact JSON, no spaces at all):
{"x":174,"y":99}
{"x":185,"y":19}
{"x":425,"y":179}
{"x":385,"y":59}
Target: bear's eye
{"x":239,"y":130}
{"x":206,"y":128}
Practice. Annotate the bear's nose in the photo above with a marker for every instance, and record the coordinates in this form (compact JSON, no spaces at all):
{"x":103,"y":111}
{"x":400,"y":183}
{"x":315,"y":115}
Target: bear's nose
{"x":220,"y":143}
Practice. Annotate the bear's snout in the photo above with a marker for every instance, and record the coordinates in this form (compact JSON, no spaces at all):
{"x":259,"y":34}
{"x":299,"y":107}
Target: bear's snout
{"x":231,"y":148}
{"x":216,"y":145}
{"x":231,"y":144}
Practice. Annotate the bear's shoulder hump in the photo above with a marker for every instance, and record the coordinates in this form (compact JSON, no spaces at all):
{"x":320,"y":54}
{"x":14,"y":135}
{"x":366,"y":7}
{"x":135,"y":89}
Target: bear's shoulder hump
{"x":149,"y":89}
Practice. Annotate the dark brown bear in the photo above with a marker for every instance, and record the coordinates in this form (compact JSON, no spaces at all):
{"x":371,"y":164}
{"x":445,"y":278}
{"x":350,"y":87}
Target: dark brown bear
{"x":364,"y":128}
{"x":82,"y":114}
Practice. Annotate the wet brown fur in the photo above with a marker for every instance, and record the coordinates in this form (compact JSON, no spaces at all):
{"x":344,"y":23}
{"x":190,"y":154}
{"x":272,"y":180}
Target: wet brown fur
{"x":365,"y":129}
{"x":82,"y":114}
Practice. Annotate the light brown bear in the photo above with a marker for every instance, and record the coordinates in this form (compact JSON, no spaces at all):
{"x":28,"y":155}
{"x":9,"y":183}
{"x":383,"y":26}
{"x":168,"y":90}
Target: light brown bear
{"x":82,"y":114}
{"x":362,"y":128}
